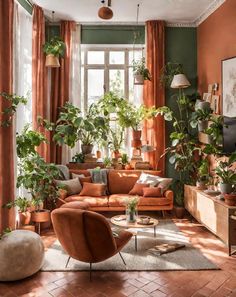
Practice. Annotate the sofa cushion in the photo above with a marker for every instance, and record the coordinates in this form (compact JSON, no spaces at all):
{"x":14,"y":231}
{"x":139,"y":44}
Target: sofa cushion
{"x":152,"y":192}
{"x":87,"y":179}
{"x":74,"y":175}
{"x":153,"y":201}
{"x":76,"y":205}
{"x":118,"y":200}
{"x":72,"y":186}
{"x":92,"y":201}
{"x":138,"y":189}
{"x":93,"y":190}
{"x":150,"y":179}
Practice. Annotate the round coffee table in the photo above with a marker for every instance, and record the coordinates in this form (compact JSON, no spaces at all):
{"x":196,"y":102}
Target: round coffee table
{"x":120,"y":221}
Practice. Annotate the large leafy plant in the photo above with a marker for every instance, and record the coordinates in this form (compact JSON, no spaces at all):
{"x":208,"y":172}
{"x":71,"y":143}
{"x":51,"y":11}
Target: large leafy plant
{"x":215,"y":130}
{"x":55,"y":46}
{"x":200,"y":115}
{"x":139,"y":68}
{"x":22,"y":203}
{"x":226,"y":171}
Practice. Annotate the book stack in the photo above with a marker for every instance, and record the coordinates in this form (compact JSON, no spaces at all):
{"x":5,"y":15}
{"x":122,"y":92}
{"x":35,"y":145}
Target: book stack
{"x":165,"y":248}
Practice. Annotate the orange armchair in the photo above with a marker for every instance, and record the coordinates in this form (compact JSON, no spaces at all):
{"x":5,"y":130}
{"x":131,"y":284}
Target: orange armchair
{"x":87,"y":236}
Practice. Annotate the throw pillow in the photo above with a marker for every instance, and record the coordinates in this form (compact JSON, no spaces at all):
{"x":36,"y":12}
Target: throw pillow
{"x":74,"y":175}
{"x":93,"y":190}
{"x":138,"y":189}
{"x":164,"y":184}
{"x":87,"y":179}
{"x":72,"y":186}
{"x":152,"y":192}
{"x":150,"y":179}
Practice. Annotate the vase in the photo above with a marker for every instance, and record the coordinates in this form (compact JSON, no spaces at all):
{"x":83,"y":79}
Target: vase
{"x":131,"y":215}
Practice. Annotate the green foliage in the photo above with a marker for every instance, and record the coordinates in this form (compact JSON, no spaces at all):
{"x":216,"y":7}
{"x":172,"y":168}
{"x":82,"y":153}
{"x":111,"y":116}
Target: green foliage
{"x":139,"y":68}
{"x":78,"y":158}
{"x":215,"y":130}
{"x":27,"y":141}
{"x":21,"y":202}
{"x":131,"y":204}
{"x":203,"y":170}
{"x":55,"y":47}
{"x":226,"y":171}
{"x":124,"y":159}
{"x":9,"y":111}
{"x":107,"y":162}
{"x":177,"y":187}
{"x":200,"y":115}
{"x":6,"y":231}
{"x":168,"y":72}
{"x":115,"y":139}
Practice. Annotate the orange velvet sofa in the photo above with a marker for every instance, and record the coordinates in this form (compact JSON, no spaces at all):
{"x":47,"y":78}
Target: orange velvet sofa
{"x":120,"y":182}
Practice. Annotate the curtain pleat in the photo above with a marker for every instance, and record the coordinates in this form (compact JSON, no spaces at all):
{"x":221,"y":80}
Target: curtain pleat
{"x":40,"y":104}
{"x":154,"y":93}
{"x":7,"y":183}
{"x":60,"y":84}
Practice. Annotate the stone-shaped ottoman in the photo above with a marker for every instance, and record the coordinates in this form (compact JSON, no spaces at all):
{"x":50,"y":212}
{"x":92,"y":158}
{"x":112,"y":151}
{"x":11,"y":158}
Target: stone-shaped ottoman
{"x":21,"y":255}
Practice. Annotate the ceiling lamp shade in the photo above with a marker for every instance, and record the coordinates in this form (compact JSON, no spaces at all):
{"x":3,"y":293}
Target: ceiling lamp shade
{"x":105,"y":13}
{"x":180,"y":81}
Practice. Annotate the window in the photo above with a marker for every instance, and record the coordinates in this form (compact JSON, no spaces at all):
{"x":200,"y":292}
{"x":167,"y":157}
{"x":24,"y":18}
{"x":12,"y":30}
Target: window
{"x":108,"y":69}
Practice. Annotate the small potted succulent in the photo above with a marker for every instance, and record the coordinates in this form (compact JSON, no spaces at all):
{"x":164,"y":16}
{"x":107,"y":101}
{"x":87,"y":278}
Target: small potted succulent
{"x":227,"y":174}
{"x":54,"y":49}
{"x":141,"y":73}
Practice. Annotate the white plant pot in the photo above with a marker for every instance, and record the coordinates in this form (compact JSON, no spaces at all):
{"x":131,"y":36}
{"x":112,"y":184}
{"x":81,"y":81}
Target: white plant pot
{"x":138,"y":79}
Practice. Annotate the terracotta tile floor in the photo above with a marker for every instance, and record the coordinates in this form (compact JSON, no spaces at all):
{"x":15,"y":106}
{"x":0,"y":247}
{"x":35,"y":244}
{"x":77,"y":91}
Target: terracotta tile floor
{"x":139,"y":284}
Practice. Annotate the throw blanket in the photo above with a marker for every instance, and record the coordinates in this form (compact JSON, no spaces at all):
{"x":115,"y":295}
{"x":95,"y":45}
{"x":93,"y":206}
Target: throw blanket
{"x":99,"y":176}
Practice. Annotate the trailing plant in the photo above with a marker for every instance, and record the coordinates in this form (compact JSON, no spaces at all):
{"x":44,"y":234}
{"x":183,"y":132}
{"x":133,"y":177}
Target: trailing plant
{"x":168,"y":72}
{"x":78,"y":158}
{"x":225,"y":170}
{"x":13,"y":102}
{"x":139,"y":68}
{"x":200,"y":115}
{"x":21,"y":202}
{"x":55,"y":46}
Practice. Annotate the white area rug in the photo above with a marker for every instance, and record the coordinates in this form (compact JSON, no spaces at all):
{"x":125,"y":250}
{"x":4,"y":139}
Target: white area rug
{"x":187,"y":258}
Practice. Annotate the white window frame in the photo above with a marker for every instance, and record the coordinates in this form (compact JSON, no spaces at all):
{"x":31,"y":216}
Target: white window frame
{"x":106,"y":67}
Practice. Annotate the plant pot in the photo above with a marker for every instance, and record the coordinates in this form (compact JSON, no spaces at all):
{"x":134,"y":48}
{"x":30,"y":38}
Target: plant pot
{"x":138,"y":79}
{"x":230,"y":199}
{"x":98,"y":154}
{"x":40,"y":216}
{"x":201,"y":185}
{"x":179,"y":212}
{"x":52,"y":61}
{"x":202,"y":125}
{"x":136,"y":138}
{"x":86,"y":149}
{"x":128,"y":167}
{"x":116,"y":154}
{"x":24,"y":218}
{"x":226,"y":188}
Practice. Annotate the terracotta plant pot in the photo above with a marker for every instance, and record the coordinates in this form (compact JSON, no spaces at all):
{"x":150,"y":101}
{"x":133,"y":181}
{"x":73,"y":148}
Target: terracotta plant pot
{"x":116,"y":155}
{"x":40,"y":216}
{"x":179,"y":212}
{"x":52,"y":61}
{"x":86,"y":149}
{"x":136,"y":138}
{"x":24,"y":218}
{"x":230,"y":199}
{"x":98,"y":154}
{"x":128,"y":167}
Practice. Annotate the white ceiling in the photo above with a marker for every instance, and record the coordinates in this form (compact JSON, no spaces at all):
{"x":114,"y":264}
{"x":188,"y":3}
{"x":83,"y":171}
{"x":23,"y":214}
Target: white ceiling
{"x":85,"y":11}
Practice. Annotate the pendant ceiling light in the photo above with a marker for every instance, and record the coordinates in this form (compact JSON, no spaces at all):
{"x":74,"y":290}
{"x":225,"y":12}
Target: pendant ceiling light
{"x":105,"y":12}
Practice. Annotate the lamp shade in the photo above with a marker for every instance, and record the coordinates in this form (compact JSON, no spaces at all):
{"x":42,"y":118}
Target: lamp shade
{"x":180,"y":81}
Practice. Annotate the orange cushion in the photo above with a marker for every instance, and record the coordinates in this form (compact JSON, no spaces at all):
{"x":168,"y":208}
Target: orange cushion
{"x":138,"y":189}
{"x":87,"y":179}
{"x":152,"y":192}
{"x":93,"y":190}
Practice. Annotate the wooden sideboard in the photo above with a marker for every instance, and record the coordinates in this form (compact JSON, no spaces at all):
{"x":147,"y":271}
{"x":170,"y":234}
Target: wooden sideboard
{"x":213,"y":213}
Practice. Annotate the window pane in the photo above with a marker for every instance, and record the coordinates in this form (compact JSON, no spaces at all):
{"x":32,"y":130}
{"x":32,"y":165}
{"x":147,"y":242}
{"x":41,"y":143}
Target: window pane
{"x":96,"y":57}
{"x":134,"y":55}
{"x":117,"y":57}
{"x":116,"y":82}
{"x":82,"y":57}
{"x":95,"y":85}
{"x":135,"y":91}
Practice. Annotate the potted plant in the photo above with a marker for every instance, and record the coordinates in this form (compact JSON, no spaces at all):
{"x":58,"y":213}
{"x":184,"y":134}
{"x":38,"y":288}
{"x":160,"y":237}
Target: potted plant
{"x":200,"y":118}
{"x":107,"y":162}
{"x":141,"y":73}
{"x":124,"y":160}
{"x":227,"y":174}
{"x":202,"y":174}
{"x":115,"y":141}
{"x":54,"y":49}
{"x":230,"y":198}
{"x":23,"y":204}
{"x":78,"y":158}
{"x":178,"y":188}
{"x":131,"y":209}
{"x":215,"y":130}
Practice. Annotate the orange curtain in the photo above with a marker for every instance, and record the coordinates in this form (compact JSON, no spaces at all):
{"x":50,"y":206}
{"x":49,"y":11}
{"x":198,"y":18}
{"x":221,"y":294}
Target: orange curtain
{"x":154,"y":93}
{"x":7,"y":184}
{"x":39,"y":77}
{"x":60,"y":84}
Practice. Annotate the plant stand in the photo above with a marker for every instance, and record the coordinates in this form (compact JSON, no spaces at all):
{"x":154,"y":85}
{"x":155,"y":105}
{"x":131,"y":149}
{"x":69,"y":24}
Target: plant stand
{"x":39,"y":217}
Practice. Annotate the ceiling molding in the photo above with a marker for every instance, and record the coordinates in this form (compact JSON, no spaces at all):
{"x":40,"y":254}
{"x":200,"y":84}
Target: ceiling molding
{"x":210,"y":9}
{"x":188,"y":25}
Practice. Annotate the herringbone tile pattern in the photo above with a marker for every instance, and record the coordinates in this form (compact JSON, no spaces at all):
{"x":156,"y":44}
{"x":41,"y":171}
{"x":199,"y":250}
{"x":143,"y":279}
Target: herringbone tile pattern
{"x":138,"y":284}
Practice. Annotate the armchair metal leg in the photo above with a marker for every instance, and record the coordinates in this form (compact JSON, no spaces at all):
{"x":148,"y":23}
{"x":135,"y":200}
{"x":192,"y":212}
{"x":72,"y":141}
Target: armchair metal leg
{"x":122,"y":258}
{"x":90,"y":271}
{"x":67,"y":262}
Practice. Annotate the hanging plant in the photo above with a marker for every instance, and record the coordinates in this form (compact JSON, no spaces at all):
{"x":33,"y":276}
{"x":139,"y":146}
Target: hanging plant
{"x":54,"y":49}
{"x":141,"y":73}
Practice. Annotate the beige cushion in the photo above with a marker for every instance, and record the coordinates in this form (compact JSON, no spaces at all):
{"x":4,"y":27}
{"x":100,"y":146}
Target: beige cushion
{"x":155,"y":180}
{"x":72,"y":186}
{"x":74,"y":175}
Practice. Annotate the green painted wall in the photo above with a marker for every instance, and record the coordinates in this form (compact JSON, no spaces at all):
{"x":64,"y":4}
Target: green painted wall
{"x":181,"y":47}
{"x":27,"y":5}
{"x":112,"y":34}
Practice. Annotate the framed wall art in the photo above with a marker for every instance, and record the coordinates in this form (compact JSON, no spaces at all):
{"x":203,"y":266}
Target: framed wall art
{"x":229,"y":87}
